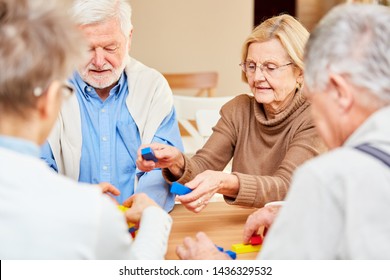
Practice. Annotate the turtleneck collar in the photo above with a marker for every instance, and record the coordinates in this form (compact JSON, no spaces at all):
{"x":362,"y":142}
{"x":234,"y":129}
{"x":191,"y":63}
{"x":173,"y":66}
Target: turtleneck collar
{"x":298,"y":104}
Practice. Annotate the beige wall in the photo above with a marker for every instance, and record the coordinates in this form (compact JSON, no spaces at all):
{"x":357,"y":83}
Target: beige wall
{"x":189,"y":36}
{"x":311,"y":11}
{"x":203,"y":35}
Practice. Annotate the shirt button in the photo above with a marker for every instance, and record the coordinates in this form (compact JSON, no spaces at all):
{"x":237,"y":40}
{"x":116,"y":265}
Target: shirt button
{"x":89,"y":89}
{"x":104,"y":138}
{"x":103,"y":110}
{"x":105,"y":167}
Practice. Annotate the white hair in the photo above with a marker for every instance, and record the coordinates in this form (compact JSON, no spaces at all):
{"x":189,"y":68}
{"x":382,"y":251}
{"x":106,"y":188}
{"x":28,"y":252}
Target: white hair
{"x":351,"y":40}
{"x":95,"y":11}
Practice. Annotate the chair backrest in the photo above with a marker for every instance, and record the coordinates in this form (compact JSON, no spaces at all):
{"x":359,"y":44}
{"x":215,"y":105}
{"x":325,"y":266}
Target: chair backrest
{"x":206,"y":119}
{"x":197,"y":115}
{"x":202,"y":82}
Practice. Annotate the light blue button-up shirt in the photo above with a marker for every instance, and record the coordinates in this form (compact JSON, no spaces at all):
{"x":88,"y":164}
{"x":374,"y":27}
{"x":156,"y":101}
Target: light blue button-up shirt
{"x":110,"y":140}
{"x":20,"y":145}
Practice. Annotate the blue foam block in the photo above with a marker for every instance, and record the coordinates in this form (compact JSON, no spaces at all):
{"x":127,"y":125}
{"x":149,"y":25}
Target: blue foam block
{"x":219,"y":248}
{"x":179,"y":189}
{"x":232,"y":254}
{"x":147,"y":153}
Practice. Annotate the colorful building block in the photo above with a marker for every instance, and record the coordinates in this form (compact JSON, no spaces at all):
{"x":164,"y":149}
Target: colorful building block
{"x":179,"y":189}
{"x":244,"y":248}
{"x":122,"y":208}
{"x":132,"y":227}
{"x":148,"y":154}
{"x":231,"y":254}
{"x":219,"y":248}
{"x":256,"y":240}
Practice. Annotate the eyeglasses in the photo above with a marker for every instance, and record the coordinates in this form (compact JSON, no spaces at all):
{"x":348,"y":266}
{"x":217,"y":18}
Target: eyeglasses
{"x":249,"y":67}
{"x":66,"y":90}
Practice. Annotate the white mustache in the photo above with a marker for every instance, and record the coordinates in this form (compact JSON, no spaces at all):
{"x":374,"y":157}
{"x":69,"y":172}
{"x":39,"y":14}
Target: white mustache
{"x":94,"y":68}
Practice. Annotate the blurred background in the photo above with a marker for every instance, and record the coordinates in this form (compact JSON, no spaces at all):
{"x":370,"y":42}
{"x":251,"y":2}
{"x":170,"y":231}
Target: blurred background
{"x":180,"y":36}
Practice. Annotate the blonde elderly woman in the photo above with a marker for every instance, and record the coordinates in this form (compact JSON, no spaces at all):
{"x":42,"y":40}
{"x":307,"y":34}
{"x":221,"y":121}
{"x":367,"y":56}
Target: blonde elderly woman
{"x":323,"y":216}
{"x":268,"y":134}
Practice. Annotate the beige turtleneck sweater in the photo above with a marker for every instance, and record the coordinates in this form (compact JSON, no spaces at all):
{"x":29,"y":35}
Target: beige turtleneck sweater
{"x":265,"y":152}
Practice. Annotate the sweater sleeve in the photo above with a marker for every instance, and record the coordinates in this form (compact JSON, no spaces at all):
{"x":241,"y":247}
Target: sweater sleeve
{"x":256,"y":191}
{"x":264,"y":156}
{"x":215,"y":154}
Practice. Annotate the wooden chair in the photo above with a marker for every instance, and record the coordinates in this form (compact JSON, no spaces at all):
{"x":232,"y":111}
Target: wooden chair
{"x":204,"y":82}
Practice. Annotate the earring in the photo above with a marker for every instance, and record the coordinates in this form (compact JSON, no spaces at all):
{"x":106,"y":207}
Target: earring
{"x":298,"y":86}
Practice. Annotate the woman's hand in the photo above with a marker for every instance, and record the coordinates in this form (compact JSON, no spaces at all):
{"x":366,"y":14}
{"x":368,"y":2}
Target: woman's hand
{"x":137,"y":203}
{"x":168,"y":157}
{"x":204,"y":186}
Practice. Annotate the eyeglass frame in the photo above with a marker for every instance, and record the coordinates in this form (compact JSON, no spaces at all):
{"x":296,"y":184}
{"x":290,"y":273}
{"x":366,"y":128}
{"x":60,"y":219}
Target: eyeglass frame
{"x":263,"y":67}
{"x":66,"y":89}
{"x":66,"y":86}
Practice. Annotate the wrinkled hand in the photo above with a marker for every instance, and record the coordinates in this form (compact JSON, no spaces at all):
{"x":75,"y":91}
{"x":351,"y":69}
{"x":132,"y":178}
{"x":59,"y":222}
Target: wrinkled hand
{"x":168,"y":157}
{"x":200,"y":248}
{"x":204,"y":186}
{"x":137,"y":203}
{"x":109,"y":189}
{"x":264,"y":217}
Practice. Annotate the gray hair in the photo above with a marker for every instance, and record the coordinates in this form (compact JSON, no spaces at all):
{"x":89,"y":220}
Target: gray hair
{"x":39,"y":43}
{"x":351,"y":40}
{"x":95,"y":11}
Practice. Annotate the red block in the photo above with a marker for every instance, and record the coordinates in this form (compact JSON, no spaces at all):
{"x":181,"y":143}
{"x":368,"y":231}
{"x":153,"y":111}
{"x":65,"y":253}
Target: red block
{"x":256,"y":240}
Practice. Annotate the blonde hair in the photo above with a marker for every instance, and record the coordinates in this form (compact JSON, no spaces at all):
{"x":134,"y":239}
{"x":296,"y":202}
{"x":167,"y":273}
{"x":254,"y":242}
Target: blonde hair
{"x":363,"y":1}
{"x":289,"y":31}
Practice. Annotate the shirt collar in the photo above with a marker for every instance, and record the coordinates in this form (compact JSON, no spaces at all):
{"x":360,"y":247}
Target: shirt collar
{"x":20,"y":145}
{"x":89,"y":92}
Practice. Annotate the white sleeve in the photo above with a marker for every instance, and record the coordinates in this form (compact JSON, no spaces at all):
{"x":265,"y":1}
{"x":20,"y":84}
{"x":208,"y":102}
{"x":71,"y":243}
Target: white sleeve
{"x":115,"y":242}
{"x":302,"y":228}
{"x":151,"y":242}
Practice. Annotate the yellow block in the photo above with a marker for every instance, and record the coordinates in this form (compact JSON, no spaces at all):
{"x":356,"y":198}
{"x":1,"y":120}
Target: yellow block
{"x":123,"y":209}
{"x":245,"y":248}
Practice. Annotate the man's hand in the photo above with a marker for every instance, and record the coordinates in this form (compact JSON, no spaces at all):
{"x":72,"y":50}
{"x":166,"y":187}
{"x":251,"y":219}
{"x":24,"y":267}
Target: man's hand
{"x":200,"y":248}
{"x":109,"y":189}
{"x":264,"y":217}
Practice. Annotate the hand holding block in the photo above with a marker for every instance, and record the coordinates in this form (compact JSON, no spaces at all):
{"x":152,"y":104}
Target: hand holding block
{"x":179,"y":189}
{"x":123,"y":209}
{"x":243,"y":248}
{"x":147,"y":154}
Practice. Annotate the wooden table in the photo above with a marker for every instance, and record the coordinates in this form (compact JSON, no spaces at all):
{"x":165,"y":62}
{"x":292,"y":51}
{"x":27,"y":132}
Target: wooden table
{"x":223,"y":223}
